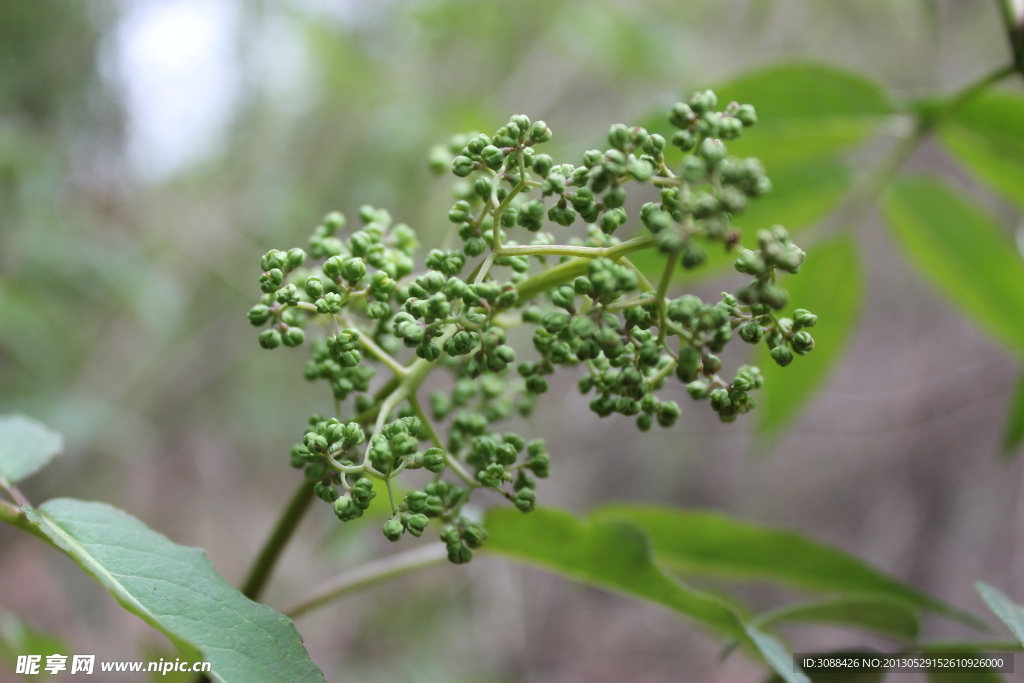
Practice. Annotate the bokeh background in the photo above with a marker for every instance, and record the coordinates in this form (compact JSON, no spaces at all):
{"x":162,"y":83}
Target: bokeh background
{"x":152,"y":150}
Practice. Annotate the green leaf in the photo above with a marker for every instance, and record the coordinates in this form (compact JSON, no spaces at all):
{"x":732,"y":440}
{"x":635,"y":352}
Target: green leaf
{"x":1010,"y":612}
{"x":987,"y":135}
{"x":1014,"y":435}
{"x":176,"y":590}
{"x":25,"y":447}
{"x":961,"y":250}
{"x":698,"y":543}
{"x":895,"y":619}
{"x":615,"y":555}
{"x":829,"y":285}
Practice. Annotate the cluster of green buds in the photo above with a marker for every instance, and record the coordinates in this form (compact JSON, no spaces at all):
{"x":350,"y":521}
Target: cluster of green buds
{"x":589,"y":307}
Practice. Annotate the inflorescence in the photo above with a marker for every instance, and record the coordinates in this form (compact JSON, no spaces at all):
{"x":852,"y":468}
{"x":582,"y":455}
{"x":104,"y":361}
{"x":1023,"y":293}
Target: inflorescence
{"x":589,"y":307}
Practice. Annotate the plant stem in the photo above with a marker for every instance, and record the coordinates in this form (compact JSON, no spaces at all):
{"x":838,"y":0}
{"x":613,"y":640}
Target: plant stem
{"x":12,"y":491}
{"x":376,"y":351}
{"x":972,"y":90}
{"x":645,"y":284}
{"x":367,"y":575}
{"x":290,"y":517}
{"x":666,"y":280}
{"x":568,"y":271}
{"x":449,"y":459}
{"x":14,"y":515}
{"x":858,"y":200}
{"x":1014,"y":31}
{"x":262,"y":568}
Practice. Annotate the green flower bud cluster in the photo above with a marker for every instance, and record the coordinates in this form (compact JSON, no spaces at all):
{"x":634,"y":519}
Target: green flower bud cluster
{"x":732,"y":399}
{"x":776,"y":252}
{"x":380,"y":327}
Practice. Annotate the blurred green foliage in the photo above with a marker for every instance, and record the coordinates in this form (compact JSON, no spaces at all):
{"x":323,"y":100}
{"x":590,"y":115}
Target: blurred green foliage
{"x":122,"y":298}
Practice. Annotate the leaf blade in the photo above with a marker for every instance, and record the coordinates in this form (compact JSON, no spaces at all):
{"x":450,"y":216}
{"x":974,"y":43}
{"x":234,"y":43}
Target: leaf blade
{"x":987,"y":135}
{"x":176,"y":590}
{"x":976,"y":268}
{"x":26,"y":446}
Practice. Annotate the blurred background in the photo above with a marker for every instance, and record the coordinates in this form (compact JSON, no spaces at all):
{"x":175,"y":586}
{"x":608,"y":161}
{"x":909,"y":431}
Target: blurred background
{"x":152,"y":150}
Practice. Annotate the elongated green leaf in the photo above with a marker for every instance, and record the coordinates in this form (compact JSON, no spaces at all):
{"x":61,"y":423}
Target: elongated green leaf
{"x":615,"y":555}
{"x":987,"y":135}
{"x":830,"y":285}
{"x":1014,"y":434}
{"x":177,"y":591}
{"x":1010,"y":612}
{"x":959,"y":248}
{"x":25,"y":447}
{"x":710,"y":544}
{"x":896,"y":619}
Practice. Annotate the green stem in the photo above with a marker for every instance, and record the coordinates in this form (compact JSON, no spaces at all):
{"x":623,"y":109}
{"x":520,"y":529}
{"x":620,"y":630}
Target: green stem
{"x":972,"y":90}
{"x":666,"y":280}
{"x":645,"y":284}
{"x":262,"y":568}
{"x":290,"y":517}
{"x":367,"y":575}
{"x":1015,"y":32}
{"x":662,"y":374}
{"x":391,"y":495}
{"x":570,"y":270}
{"x":449,"y":459}
{"x":15,"y":514}
{"x":859,"y":200}
{"x":519,"y":187}
{"x":16,"y":517}
{"x":14,"y":493}
{"x":376,"y":351}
